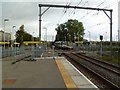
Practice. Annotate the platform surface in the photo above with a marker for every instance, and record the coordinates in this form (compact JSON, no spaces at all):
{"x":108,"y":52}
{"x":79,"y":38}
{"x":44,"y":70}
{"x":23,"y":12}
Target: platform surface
{"x":32,"y":74}
{"x":45,"y":72}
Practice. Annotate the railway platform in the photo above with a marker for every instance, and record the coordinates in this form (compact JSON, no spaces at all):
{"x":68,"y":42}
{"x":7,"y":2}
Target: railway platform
{"x":44,"y":72}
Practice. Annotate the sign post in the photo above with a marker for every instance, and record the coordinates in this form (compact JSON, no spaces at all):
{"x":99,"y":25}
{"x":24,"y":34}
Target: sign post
{"x":101,"y":38}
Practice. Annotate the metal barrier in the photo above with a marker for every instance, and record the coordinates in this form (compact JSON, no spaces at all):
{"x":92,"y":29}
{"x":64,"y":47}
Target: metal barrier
{"x":87,"y":48}
{"x":95,"y":50}
{"x":38,"y":51}
{"x":12,"y":51}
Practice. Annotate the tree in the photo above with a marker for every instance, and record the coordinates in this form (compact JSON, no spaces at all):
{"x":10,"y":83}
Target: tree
{"x":61,"y":33}
{"x":21,"y":35}
{"x":69,"y":30}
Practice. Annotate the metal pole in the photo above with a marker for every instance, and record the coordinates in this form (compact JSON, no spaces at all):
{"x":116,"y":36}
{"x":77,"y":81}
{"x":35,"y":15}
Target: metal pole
{"x":111,"y":34}
{"x":106,"y":36}
{"x":15,"y":48}
{"x":46,"y":40}
{"x":89,"y":35}
{"x":12,"y":42}
{"x":46,"y":34}
{"x":101,"y":49}
{"x":118,"y":36}
{"x":4,"y":31}
{"x":118,"y":47}
{"x":106,"y":39}
{"x":11,"y":36}
{"x":52,"y":38}
{"x":4,"y":34}
{"x":40,"y":24}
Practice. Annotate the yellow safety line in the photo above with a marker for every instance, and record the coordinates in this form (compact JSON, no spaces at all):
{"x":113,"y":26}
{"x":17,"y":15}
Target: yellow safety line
{"x":66,"y":77}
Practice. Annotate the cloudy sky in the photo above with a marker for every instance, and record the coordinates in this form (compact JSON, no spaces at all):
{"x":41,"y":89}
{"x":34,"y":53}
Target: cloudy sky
{"x":25,"y":12}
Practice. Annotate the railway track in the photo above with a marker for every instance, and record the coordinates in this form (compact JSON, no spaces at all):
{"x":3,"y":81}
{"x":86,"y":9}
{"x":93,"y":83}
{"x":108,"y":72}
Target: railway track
{"x":109,"y":75}
{"x":102,"y":64}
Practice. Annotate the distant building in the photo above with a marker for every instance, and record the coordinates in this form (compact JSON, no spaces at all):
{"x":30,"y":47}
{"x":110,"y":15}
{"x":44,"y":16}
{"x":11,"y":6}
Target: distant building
{"x":7,"y":36}
{"x":119,"y":21}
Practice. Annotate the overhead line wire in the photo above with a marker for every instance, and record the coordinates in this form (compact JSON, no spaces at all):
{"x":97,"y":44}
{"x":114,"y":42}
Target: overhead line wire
{"x":91,"y":11}
{"x":113,"y":3}
{"x":99,"y":23}
{"x":65,"y":10}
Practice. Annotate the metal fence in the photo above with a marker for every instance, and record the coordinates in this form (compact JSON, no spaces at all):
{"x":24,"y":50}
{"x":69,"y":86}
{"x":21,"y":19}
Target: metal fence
{"x":12,"y":51}
{"x":38,"y":51}
{"x":85,"y":48}
{"x":34,"y":51}
{"x":95,"y":50}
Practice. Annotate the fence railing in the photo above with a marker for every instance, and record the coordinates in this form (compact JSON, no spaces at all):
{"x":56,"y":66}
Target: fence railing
{"x":96,"y":49}
{"x":12,"y":51}
{"x":38,"y":51}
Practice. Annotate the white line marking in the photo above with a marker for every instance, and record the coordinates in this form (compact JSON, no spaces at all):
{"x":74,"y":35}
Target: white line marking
{"x":82,"y":74}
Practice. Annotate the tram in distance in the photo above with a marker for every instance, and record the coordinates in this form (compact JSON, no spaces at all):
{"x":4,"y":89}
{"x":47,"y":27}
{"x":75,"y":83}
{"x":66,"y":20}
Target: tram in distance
{"x":62,"y":45}
{"x":65,"y":45}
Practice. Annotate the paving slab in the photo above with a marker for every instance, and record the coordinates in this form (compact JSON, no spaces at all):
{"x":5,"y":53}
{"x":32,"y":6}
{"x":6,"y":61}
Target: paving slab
{"x":32,"y":74}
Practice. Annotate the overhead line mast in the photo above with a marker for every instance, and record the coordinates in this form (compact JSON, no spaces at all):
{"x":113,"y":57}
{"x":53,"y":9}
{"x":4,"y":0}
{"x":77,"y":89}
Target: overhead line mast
{"x":77,"y":7}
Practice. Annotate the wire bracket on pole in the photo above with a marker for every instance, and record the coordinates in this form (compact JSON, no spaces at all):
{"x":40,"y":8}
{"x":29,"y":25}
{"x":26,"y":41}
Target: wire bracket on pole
{"x":45,"y":11}
{"x":106,"y":14}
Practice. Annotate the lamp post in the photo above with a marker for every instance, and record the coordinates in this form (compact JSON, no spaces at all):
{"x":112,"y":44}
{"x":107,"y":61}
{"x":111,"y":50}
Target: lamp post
{"x":116,"y":38}
{"x":118,"y":35}
{"x":5,"y":20}
{"x":46,"y":39}
{"x":89,"y":36}
{"x":45,"y":33}
{"x":12,"y":42}
{"x":106,"y":39}
{"x":106,"y":36}
{"x":15,"y":48}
